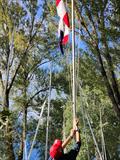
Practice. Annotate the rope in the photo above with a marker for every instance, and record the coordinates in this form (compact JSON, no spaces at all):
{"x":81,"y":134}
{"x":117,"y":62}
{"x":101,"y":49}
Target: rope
{"x":48,"y":116}
{"x":73,"y":60}
{"x":88,"y":120}
{"x":36,"y":132}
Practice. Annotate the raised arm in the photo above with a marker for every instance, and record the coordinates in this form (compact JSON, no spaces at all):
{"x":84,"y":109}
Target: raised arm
{"x":77,"y":130}
{"x":74,"y":132}
{"x":69,"y":138}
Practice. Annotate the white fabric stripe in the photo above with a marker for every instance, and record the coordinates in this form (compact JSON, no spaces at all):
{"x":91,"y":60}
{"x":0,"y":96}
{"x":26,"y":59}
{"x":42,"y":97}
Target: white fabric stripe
{"x":61,"y":27}
{"x":66,"y":31}
{"x":61,"y":9}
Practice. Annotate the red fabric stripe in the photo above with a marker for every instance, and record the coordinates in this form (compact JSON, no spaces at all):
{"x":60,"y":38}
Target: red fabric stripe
{"x":65,"y":39}
{"x":66,"y":20}
{"x":57,"y":2}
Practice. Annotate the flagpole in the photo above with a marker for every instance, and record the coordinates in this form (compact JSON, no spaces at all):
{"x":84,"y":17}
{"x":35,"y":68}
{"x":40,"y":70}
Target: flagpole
{"x":73,"y":63}
{"x":48,"y":115}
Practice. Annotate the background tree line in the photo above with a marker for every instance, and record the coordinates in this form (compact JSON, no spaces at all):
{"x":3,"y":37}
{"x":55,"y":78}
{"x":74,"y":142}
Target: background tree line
{"x":28,"y":43}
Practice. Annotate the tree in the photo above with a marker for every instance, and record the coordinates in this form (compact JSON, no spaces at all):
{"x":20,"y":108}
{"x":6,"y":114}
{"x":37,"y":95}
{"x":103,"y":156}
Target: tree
{"x":22,"y":35}
{"x":99,"y":31}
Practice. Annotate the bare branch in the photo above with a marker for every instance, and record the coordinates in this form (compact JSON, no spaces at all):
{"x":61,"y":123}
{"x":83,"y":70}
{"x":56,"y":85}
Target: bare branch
{"x":41,"y":90}
{"x":14,"y":76}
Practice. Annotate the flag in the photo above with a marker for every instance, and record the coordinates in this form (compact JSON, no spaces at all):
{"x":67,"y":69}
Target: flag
{"x":64,"y":25}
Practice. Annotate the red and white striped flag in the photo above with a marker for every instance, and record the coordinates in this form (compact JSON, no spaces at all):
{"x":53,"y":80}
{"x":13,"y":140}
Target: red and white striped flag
{"x":64,"y":25}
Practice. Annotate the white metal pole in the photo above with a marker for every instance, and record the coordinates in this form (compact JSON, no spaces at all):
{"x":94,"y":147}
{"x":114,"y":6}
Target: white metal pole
{"x":25,"y":150}
{"x":73,"y":61}
{"x":48,"y":115}
{"x":36,"y":132}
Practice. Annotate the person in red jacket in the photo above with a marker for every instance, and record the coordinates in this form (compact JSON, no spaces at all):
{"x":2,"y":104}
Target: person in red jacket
{"x":56,"y":150}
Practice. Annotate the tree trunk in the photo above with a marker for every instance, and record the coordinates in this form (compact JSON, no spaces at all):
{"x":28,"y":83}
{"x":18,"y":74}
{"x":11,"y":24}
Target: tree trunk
{"x":9,"y":142}
{"x":9,"y":151}
{"x":112,"y":87}
{"x":22,"y":143}
{"x":114,"y":83}
{"x":6,"y":100}
{"x":107,"y":83}
{"x":113,"y":78}
{"x":20,"y":154}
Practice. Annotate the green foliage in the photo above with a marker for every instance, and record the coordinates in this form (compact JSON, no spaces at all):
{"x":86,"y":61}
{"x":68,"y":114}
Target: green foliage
{"x":27,"y":41}
{"x":94,"y":100}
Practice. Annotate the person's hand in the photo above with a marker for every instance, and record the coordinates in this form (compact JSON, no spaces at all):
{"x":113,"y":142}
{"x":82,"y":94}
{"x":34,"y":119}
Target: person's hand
{"x":75,"y":123}
{"x":72,"y":132}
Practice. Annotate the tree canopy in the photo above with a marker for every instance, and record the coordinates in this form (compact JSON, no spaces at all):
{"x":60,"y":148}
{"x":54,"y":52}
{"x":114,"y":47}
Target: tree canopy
{"x":29,"y":50}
